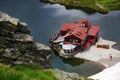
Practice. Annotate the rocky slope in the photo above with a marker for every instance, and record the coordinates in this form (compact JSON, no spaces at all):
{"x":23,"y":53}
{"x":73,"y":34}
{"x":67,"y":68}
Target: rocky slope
{"x":17,"y":46}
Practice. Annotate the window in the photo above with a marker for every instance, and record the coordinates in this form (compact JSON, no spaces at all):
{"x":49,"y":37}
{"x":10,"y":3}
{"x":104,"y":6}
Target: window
{"x":76,"y":40}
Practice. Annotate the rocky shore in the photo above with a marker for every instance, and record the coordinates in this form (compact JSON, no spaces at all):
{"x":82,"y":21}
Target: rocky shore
{"x":17,"y":46}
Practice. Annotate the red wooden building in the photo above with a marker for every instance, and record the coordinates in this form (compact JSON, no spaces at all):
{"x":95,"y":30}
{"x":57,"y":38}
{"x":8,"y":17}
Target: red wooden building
{"x":75,"y":36}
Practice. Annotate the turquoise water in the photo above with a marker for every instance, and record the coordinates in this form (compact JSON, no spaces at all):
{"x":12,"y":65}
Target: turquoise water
{"x":45,"y":19}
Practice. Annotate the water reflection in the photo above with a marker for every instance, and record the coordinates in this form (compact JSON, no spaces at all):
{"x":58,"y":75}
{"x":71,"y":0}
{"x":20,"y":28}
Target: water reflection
{"x":73,"y":62}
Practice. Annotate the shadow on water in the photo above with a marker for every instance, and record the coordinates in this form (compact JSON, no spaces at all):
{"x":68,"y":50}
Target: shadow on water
{"x":83,"y":67}
{"x":86,"y":10}
{"x":73,"y":62}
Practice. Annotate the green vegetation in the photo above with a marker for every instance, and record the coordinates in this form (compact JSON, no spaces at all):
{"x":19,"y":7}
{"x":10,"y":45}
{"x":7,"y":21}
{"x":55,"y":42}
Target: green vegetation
{"x":102,"y":6}
{"x":110,"y":4}
{"x":25,"y":72}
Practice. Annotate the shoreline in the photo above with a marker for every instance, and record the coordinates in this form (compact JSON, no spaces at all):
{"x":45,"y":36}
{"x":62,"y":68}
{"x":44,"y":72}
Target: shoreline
{"x":111,"y":73}
{"x":79,"y":6}
{"x":101,"y":55}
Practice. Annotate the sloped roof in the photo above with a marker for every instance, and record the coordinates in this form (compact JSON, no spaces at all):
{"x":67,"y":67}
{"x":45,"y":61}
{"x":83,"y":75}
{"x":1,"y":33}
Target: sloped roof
{"x":80,"y":33}
{"x":68,"y":26}
{"x":93,"y":30}
{"x":79,"y":30}
{"x":81,"y":21}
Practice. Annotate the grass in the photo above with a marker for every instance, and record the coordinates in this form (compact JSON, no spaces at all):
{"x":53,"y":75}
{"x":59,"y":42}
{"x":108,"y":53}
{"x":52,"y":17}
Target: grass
{"x":25,"y":72}
{"x":95,"y":5}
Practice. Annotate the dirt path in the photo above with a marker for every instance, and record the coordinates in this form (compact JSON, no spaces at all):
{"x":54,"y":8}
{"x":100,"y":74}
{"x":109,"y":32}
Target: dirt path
{"x":100,"y":6}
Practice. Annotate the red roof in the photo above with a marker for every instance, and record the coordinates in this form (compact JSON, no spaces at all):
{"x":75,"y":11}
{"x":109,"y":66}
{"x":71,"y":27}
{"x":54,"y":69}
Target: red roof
{"x":68,"y":34}
{"x":68,"y":26}
{"x":72,"y":26}
{"x":81,"y":21}
{"x":78,"y":29}
{"x":93,"y":30}
{"x":80,"y":35}
{"x":78,"y":32}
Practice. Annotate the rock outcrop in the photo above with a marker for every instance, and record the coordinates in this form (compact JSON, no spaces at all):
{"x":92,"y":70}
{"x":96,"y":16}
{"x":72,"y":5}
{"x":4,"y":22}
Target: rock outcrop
{"x":61,"y":75}
{"x":17,"y":46}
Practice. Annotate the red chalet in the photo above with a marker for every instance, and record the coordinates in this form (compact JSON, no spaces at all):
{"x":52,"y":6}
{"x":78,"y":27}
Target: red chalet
{"x":75,"y":36}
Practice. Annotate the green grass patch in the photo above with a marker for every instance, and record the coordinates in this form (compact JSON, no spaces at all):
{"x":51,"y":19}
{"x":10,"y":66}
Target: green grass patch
{"x":25,"y":72}
{"x":110,"y":4}
{"x":97,"y":5}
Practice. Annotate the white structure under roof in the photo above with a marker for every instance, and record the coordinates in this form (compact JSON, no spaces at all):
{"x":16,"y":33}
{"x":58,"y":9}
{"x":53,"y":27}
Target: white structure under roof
{"x":68,"y":46}
{"x":61,"y":43}
{"x":59,"y":40}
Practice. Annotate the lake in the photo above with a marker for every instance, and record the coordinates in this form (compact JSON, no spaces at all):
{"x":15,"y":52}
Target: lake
{"x":45,"y":19}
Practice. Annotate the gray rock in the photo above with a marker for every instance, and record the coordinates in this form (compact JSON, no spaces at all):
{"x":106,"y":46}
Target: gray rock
{"x":61,"y":75}
{"x":23,"y":37}
{"x":5,"y":17}
{"x":42,"y":46}
{"x":17,"y":46}
{"x":11,"y":53}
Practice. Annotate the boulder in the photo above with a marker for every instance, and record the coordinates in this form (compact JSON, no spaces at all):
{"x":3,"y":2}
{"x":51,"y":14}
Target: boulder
{"x":62,"y":75}
{"x":5,"y":17}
